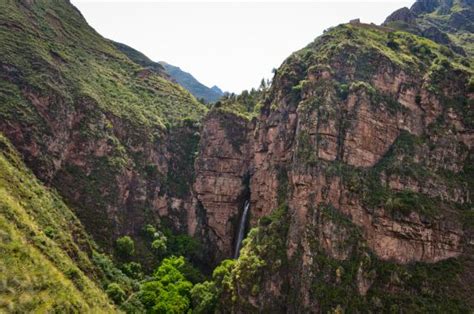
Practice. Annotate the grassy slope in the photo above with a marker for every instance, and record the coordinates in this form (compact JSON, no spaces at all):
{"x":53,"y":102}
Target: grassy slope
{"x":50,"y":52}
{"x":365,"y":38}
{"x":441,"y":20}
{"x":49,"y":45}
{"x":43,"y":259}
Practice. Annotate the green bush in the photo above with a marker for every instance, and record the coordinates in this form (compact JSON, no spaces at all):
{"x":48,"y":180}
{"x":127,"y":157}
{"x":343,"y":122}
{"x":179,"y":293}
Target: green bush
{"x":116,"y":293}
{"x":159,"y":245}
{"x":204,"y":297}
{"x":133,"y":270}
{"x":169,"y":291}
{"x":50,"y":232}
{"x":149,"y":231}
{"x":125,"y":246}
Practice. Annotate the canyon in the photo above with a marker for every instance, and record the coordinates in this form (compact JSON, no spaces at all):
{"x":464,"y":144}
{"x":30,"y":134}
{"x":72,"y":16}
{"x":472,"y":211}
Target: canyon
{"x":355,"y":167}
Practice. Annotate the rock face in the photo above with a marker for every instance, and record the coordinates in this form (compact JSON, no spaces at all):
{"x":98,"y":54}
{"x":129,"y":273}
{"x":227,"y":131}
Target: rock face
{"x":368,"y":159}
{"x":436,"y":19}
{"x":116,"y":140}
{"x":403,"y":14}
{"x":222,"y":174}
{"x":358,"y":165}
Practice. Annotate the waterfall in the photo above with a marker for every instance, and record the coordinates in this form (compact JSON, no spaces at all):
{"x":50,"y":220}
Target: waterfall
{"x":240,"y":235}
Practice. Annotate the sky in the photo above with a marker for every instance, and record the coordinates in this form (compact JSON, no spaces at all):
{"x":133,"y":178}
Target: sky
{"x":226,"y":43}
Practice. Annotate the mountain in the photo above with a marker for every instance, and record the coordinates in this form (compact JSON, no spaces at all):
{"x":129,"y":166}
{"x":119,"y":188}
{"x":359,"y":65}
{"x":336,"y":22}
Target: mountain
{"x":200,"y":91}
{"x":121,"y":192}
{"x":358,"y":172}
{"x":446,"y":22}
{"x":90,"y":123}
{"x":139,"y":58}
{"x":46,"y":261}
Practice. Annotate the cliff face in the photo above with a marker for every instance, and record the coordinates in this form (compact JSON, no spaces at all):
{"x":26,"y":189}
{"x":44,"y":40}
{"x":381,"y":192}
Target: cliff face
{"x":222,"y":173}
{"x":357,"y":164}
{"x":116,"y":140}
{"x":364,"y":148}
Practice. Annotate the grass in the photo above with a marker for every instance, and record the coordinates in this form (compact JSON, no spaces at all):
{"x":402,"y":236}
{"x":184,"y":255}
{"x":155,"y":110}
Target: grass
{"x":44,"y":252}
{"x":62,"y":82}
{"x":53,"y":49}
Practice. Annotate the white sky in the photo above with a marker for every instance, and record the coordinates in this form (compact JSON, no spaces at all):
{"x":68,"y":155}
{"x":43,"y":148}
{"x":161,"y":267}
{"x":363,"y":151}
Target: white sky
{"x":226,"y":43}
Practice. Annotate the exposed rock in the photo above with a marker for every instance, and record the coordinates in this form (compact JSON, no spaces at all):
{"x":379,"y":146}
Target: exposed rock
{"x":403,"y":14}
{"x":222,"y":172}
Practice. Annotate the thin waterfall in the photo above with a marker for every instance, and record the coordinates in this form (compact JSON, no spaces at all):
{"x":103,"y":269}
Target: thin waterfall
{"x":240,"y":235}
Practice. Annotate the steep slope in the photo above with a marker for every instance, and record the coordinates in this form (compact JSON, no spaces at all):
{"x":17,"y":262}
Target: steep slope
{"x":196,"y":88}
{"x":359,"y":173}
{"x":139,"y":58}
{"x":357,"y":164}
{"x":447,"y":22}
{"x":45,"y":254}
{"x":199,"y":90}
{"x":92,"y":123}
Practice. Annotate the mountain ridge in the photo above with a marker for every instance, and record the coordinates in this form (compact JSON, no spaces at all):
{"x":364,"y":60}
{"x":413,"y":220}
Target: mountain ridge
{"x":199,"y":90}
{"x":356,"y":162}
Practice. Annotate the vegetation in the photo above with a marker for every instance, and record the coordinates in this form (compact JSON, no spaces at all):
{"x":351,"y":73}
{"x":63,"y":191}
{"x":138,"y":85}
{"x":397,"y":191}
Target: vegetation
{"x":45,"y":261}
{"x":55,"y":68}
{"x":125,"y":246}
{"x":246,"y":105}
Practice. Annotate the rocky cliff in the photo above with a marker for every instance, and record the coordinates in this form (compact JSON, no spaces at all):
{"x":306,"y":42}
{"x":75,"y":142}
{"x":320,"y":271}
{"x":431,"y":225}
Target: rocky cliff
{"x":357,"y":161}
{"x":115,"y":139}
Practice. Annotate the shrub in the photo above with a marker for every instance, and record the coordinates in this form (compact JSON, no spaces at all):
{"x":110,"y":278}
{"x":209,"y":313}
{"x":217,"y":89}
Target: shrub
{"x":392,"y":44}
{"x":125,"y":246}
{"x":204,"y":297}
{"x":50,"y":232}
{"x":159,"y":245}
{"x":133,"y":270}
{"x":149,"y":231}
{"x":116,"y":293}
{"x":169,"y":291}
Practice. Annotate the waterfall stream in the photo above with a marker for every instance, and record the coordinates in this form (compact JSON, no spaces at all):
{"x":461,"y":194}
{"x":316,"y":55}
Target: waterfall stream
{"x":240,"y":235}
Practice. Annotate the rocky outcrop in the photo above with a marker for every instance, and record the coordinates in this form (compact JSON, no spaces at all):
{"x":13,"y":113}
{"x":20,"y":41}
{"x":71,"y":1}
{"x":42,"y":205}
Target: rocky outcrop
{"x":222,"y":178}
{"x":403,"y":14}
{"x":371,"y":166}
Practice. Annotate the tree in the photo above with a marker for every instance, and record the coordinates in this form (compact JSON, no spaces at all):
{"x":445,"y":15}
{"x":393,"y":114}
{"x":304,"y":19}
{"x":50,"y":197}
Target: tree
{"x":263,"y":85}
{"x":133,"y":270}
{"x":169,"y":291}
{"x":159,"y":245}
{"x":125,"y":246}
{"x":204,"y":297}
{"x":116,"y":293}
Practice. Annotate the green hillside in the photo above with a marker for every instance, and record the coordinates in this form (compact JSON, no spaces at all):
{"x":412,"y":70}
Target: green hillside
{"x":47,"y":46}
{"x":45,"y":254}
{"x":189,"y":82}
{"x":85,"y":117}
{"x":447,"y":22}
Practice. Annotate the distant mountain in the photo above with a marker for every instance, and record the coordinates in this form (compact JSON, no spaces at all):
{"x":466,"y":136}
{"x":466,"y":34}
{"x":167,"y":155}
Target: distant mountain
{"x":138,"y":57}
{"x":189,"y":82}
{"x":195,"y":87}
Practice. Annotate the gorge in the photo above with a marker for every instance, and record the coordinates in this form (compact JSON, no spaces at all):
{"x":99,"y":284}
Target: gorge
{"x":351,"y":175}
